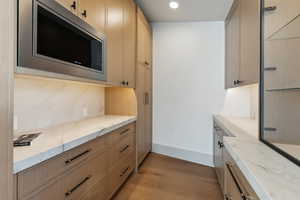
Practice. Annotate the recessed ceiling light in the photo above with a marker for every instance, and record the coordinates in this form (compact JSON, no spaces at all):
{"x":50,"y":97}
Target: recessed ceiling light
{"x":174,"y":4}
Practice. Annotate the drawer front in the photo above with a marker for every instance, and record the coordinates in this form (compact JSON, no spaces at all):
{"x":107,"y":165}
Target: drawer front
{"x":80,"y":180}
{"x":277,"y":18}
{"x":32,"y":179}
{"x":120,"y":172}
{"x":98,"y":192}
{"x":234,"y":174}
{"x":282,"y":64}
{"x":121,"y":133}
{"x":122,"y":149}
{"x":75,"y":183}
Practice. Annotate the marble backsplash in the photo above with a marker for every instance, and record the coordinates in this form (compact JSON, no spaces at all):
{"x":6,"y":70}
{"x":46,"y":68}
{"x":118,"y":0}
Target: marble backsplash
{"x":41,"y":103}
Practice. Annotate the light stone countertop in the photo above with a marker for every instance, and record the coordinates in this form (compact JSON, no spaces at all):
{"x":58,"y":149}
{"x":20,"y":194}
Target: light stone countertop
{"x":272,"y":176}
{"x":56,"y":140}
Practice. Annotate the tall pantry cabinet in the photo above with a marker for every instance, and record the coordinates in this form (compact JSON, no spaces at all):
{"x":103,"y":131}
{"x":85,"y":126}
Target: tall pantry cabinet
{"x":144,"y":87}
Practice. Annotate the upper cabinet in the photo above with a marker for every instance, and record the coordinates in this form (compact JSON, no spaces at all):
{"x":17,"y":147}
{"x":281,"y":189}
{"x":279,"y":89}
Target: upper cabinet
{"x":121,"y":33}
{"x":118,"y":20}
{"x":93,"y":12}
{"x":129,"y":43}
{"x":242,"y":41}
{"x":71,"y":5}
{"x":114,"y":33}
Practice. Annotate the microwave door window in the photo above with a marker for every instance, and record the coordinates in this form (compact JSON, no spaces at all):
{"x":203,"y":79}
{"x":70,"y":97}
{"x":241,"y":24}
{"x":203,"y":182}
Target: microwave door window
{"x":60,"y":40}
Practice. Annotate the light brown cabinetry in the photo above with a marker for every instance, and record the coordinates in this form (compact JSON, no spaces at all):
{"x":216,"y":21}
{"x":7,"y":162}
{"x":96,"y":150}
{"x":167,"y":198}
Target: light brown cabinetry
{"x":144,"y":87}
{"x":242,"y":29}
{"x":117,"y":18}
{"x":71,"y":5}
{"x":236,"y":186}
{"x":91,"y":171}
{"x":121,"y":34}
{"x":93,"y":12}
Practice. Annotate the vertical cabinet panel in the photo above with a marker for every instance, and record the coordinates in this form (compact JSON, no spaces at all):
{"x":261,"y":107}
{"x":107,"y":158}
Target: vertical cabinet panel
{"x":233,"y":46}
{"x":250,"y":42}
{"x":114,"y":32}
{"x":93,"y":12}
{"x":242,"y":30}
{"x":129,"y":43}
{"x":144,"y":87}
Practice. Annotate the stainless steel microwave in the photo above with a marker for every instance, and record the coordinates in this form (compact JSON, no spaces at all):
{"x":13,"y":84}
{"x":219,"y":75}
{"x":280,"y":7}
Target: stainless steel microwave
{"x":51,"y":38}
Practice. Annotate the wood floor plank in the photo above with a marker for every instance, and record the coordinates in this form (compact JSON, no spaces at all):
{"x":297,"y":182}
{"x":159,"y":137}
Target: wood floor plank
{"x":165,"y":178}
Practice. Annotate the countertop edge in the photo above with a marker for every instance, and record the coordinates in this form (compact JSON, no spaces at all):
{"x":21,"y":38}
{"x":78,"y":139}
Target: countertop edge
{"x":22,"y":165}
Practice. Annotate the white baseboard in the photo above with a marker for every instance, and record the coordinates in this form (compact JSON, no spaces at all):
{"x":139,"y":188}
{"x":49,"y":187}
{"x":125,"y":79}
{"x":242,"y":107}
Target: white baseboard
{"x":183,"y":154}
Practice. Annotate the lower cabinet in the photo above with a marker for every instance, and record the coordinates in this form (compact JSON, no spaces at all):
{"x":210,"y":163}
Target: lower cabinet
{"x":236,"y":186}
{"x":92,"y":171}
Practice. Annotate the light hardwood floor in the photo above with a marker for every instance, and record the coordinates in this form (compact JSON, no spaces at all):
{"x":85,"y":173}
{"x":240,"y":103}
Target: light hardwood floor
{"x":165,"y":178}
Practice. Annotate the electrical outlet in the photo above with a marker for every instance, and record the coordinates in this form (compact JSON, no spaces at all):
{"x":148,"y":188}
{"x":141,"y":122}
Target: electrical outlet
{"x":16,"y":123}
{"x":84,"y":112}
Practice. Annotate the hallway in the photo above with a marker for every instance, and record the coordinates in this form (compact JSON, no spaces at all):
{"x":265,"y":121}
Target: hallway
{"x":165,"y":178}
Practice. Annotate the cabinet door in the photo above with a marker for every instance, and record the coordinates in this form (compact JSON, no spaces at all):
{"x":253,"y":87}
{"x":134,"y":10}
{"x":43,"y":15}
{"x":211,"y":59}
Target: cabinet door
{"x":250,"y":41}
{"x":93,"y":12}
{"x":71,"y":5}
{"x":233,"y":46}
{"x":114,"y":32}
{"x":129,"y":43}
{"x":284,"y":12}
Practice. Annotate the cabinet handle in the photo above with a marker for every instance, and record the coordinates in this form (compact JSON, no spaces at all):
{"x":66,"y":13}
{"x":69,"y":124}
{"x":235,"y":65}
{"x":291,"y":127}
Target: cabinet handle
{"x":270,"y":8}
{"x":221,"y":144}
{"x":270,"y":68}
{"x":124,"y":172}
{"x":77,"y":186}
{"x":84,"y":14}
{"x":124,"y":149}
{"x":123,"y":83}
{"x":147,"y":101}
{"x":125,"y":131}
{"x":78,"y":156}
{"x":270,"y":129}
{"x":237,"y":82}
{"x":127,"y":83}
{"x":146,"y":63}
{"x":73,"y":5}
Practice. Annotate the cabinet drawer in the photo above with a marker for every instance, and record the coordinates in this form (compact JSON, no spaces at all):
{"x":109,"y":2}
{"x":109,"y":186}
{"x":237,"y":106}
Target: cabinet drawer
{"x":235,"y":178}
{"x":284,"y":13}
{"x":282,"y":64}
{"x":121,"y":133}
{"x":31,"y":179}
{"x":120,"y":172}
{"x":80,"y":180}
{"x":98,"y":192}
{"x":122,"y":149}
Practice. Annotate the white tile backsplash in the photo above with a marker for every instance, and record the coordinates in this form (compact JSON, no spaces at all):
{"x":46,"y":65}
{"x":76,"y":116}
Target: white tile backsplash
{"x":41,"y":103}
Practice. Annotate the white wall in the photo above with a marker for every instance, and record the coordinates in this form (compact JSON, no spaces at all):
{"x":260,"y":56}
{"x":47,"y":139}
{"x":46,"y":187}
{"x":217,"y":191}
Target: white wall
{"x":189,"y":88}
{"x":40,"y":103}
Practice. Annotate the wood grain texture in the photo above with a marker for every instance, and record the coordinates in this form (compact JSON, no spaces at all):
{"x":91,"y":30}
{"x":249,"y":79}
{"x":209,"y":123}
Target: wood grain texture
{"x":120,"y":101}
{"x":162,"y":177}
{"x":7,"y":64}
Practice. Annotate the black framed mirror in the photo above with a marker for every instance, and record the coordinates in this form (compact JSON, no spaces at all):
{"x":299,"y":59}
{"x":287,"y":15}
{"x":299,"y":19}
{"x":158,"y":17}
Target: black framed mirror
{"x":280,"y":77}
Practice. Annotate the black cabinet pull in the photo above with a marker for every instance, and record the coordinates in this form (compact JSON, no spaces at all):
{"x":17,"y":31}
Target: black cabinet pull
{"x":78,"y":156}
{"x":73,"y":5}
{"x":270,"y":8}
{"x":127,"y":83}
{"x":77,"y":186}
{"x":125,"y":131}
{"x":124,"y":172}
{"x":124,"y":149}
{"x":221,"y":145}
{"x":84,"y":13}
{"x":123,"y":83}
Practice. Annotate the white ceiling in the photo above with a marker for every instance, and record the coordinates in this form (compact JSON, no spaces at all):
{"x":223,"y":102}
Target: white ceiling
{"x":189,"y":10}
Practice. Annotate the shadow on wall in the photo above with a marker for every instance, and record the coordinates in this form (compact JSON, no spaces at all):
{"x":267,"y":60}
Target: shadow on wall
{"x":241,"y":102}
